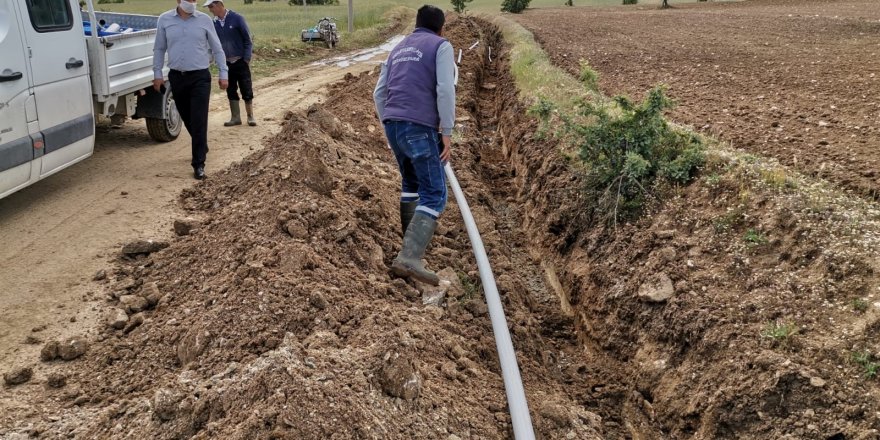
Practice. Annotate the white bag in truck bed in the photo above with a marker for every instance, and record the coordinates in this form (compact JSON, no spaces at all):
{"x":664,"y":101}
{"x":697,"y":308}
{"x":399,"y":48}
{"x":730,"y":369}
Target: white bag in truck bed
{"x":122,"y":63}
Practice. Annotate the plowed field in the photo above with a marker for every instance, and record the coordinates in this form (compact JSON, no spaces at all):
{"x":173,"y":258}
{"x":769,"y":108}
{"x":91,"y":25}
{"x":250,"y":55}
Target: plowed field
{"x":795,"y":80}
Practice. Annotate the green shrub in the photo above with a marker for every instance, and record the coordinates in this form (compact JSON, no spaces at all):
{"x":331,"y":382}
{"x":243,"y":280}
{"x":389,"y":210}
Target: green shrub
{"x":104,"y":2}
{"x":630,"y":2}
{"x":588,"y":76}
{"x":460,"y":5}
{"x":629,"y":153}
{"x":514,"y":6}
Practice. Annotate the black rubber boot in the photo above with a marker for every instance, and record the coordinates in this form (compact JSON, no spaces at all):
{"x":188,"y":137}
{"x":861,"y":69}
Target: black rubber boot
{"x":409,"y":261}
{"x":407,"y":209}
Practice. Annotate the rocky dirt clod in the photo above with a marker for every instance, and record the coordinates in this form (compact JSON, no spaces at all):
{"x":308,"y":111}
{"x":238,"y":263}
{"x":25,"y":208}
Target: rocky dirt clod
{"x":18,"y":376}
{"x":143,"y":247}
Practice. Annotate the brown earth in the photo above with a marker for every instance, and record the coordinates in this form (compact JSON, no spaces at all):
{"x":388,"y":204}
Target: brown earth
{"x":276,"y":316}
{"x":798,"y":80}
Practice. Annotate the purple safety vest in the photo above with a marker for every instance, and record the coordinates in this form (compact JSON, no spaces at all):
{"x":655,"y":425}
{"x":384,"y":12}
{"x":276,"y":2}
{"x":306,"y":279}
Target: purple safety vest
{"x":412,"y":79}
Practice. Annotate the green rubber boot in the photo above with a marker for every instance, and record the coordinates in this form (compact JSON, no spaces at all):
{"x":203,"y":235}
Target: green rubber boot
{"x":407,"y":209}
{"x":409,"y":261}
{"x":249,"y":108}
{"x":235,"y":108}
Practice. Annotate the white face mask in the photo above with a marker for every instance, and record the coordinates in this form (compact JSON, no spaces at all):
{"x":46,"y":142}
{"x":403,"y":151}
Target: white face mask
{"x":187,"y":7}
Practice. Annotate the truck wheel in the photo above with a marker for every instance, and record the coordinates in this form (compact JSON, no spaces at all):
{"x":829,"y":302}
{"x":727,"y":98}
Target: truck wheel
{"x":166,"y":130}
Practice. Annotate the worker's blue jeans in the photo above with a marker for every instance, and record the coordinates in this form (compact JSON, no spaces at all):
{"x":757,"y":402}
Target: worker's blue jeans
{"x":416,"y":148}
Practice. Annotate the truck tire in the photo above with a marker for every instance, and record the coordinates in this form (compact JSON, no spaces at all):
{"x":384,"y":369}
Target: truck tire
{"x":166,"y":130}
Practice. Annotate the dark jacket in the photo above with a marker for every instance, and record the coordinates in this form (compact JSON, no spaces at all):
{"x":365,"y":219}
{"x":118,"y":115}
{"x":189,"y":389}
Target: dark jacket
{"x":235,"y":36}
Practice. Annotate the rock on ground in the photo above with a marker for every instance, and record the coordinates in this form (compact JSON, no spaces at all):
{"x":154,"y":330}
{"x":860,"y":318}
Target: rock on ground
{"x":18,"y":376}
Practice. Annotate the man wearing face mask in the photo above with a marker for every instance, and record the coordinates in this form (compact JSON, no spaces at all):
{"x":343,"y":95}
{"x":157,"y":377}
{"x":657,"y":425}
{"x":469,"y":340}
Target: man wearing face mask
{"x":189,"y":39}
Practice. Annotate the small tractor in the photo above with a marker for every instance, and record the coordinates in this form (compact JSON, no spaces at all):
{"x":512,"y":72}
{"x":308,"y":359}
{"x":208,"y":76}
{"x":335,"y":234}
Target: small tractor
{"x":324,"y":31}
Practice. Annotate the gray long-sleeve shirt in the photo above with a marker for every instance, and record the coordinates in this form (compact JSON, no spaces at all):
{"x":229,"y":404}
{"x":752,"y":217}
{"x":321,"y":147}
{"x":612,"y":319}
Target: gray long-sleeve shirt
{"x":445,"y":88}
{"x":189,"y":43}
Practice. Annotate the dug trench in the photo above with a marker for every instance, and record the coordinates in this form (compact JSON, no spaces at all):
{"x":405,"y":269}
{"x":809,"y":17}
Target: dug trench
{"x":274,"y":315}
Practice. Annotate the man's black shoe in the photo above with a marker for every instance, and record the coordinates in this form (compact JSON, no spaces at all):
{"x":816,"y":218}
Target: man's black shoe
{"x":199,"y":173}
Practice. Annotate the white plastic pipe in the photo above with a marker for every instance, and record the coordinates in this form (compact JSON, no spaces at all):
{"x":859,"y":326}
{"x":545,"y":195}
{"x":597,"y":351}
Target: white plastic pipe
{"x":516,"y":396}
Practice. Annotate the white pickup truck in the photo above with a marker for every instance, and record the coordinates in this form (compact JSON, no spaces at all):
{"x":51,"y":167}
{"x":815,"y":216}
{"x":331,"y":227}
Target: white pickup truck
{"x":57,"y":75}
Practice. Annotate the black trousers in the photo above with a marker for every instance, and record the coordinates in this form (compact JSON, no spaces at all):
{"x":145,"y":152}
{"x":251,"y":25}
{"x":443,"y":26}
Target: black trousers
{"x":240,"y":78}
{"x":192,"y":93}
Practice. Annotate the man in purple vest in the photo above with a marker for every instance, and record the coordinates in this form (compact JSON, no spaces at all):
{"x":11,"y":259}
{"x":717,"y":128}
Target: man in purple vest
{"x":415,"y":100}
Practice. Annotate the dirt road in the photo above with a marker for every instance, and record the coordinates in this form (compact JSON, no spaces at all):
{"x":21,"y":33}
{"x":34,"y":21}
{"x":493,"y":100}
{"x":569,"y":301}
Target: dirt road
{"x":56,"y":234}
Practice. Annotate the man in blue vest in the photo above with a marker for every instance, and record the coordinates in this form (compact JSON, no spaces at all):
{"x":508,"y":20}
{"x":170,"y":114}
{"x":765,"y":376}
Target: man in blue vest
{"x":238,"y":47}
{"x":415,"y":100}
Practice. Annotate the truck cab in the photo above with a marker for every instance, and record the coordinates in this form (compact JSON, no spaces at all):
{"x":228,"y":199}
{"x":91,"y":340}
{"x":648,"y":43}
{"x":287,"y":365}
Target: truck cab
{"x":46,"y":117}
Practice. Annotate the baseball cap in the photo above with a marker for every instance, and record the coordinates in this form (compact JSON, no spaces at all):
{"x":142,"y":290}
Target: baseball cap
{"x":208,"y":2}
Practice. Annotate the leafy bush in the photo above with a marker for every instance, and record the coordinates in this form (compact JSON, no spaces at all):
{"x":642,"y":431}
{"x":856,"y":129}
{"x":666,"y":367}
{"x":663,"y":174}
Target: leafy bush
{"x":514,"y":6}
{"x":629,"y":153}
{"x":630,"y":2}
{"x":460,"y":5}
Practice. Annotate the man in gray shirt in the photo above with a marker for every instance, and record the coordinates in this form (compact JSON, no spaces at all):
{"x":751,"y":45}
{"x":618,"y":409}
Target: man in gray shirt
{"x":189,"y":39}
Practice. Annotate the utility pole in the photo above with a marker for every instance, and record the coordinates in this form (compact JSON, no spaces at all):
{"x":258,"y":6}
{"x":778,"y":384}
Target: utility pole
{"x":350,"y":17}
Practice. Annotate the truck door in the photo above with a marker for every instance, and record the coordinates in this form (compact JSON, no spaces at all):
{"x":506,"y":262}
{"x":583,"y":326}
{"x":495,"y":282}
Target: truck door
{"x":60,"y":77}
{"x":16,"y":150}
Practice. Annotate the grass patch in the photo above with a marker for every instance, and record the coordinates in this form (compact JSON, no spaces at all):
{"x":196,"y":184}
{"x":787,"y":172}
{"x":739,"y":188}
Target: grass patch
{"x":471,"y":288}
{"x":728,"y":221}
{"x":753,"y":237}
{"x":859,"y":305}
{"x":868,"y":362}
{"x":589,"y":76}
{"x":713,"y":180}
{"x":779,"y":333}
{"x":777,"y":179}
